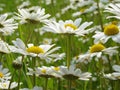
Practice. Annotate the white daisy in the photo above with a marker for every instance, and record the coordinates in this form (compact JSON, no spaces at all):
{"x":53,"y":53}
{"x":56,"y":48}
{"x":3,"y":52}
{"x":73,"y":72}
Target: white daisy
{"x":115,"y":75}
{"x":73,"y":73}
{"x":7,"y":26}
{"x":5,"y":85}
{"x":114,"y":9}
{"x":17,"y":64}
{"x":56,"y":71}
{"x":97,"y":50}
{"x":44,"y":72}
{"x":24,"y":4}
{"x":4,"y":47}
{"x":47,"y":41}
{"x":85,"y":10}
{"x":30,"y":72}
{"x":110,"y":31}
{"x":32,"y":17}
{"x":35,"y":88}
{"x":42,"y":51}
{"x":4,"y":73}
{"x":67,"y":27}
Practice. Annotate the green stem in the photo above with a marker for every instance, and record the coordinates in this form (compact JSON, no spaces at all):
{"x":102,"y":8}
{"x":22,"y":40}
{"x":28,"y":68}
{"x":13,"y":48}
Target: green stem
{"x":19,"y":79}
{"x":100,"y":74}
{"x":59,"y":84}
{"x":20,"y":32}
{"x":11,"y":79}
{"x":85,"y":86}
{"x":69,"y":85}
{"x":46,"y":82}
{"x":109,"y":62}
{"x":34,"y":76}
{"x":100,"y":16}
{"x":68,"y":49}
{"x":29,"y":36}
{"x":117,"y":83}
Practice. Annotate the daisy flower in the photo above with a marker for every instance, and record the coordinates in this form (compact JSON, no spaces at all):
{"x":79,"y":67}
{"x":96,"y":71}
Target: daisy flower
{"x":110,"y":31}
{"x":42,"y":51}
{"x":32,"y":17}
{"x":74,"y":73}
{"x":30,"y":72}
{"x":115,"y":75}
{"x":17,"y":64}
{"x":44,"y":71}
{"x":84,"y":11}
{"x":67,"y":27}
{"x":55,"y":71}
{"x":35,"y":88}
{"x":7,"y":26}
{"x":114,"y":9}
{"x":97,"y":50}
{"x":47,"y":41}
{"x":24,"y":4}
{"x":4,"y":73}
{"x":5,"y":85}
{"x":4,"y":47}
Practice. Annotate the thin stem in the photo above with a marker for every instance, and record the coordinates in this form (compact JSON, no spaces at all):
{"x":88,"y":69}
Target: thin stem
{"x":68,"y":49}
{"x":100,"y":74}
{"x":11,"y":79}
{"x":117,"y":83}
{"x":85,"y":86}
{"x":109,"y":62}
{"x":100,"y":16}
{"x":69,"y":85}
{"x":19,"y":79}
{"x":59,"y":84}
{"x":29,"y":36}
{"x":34,"y":76}
{"x":46,"y":82}
{"x":20,"y":32}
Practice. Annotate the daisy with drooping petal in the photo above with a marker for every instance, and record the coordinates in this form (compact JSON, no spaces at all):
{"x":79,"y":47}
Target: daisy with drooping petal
{"x":4,"y":73}
{"x":115,"y":75}
{"x":67,"y":27}
{"x":34,"y":17}
{"x":42,"y":51}
{"x":74,"y":73}
{"x":4,"y":47}
{"x":97,"y":50}
{"x":114,"y":9}
{"x":110,"y":31}
{"x":17,"y":64}
{"x":5,"y":85}
{"x":7,"y":26}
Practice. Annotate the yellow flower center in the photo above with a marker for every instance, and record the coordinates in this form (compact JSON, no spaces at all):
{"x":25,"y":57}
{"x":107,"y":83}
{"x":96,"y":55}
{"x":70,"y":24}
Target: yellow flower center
{"x":71,"y":25}
{"x":46,"y":42}
{"x":43,"y":71}
{"x":35,"y":49}
{"x":4,"y":85}
{"x":1,"y":75}
{"x":111,"y":29}
{"x":1,"y":26}
{"x":56,"y":68}
{"x":96,"y":48}
{"x":82,"y":10}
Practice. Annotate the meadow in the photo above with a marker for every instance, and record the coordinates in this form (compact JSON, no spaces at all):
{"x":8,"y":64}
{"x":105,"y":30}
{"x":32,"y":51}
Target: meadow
{"x":59,"y":44}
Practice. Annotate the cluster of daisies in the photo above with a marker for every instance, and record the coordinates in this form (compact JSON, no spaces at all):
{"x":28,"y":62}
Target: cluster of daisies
{"x":45,"y":59}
